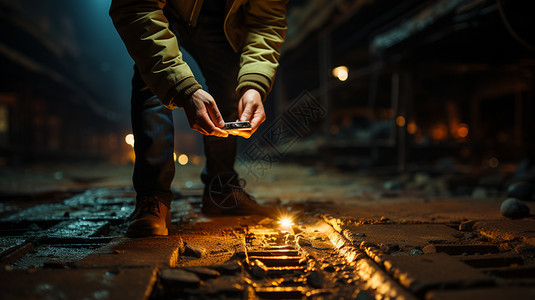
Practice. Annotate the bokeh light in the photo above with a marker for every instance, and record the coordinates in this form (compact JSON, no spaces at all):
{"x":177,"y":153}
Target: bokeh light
{"x":129,"y":139}
{"x":183,"y":159}
{"x":341,"y":72}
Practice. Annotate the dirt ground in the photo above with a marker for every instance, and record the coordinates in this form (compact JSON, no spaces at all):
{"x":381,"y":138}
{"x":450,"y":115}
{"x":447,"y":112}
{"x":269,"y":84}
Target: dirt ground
{"x":367,"y":233}
{"x":363,"y":194}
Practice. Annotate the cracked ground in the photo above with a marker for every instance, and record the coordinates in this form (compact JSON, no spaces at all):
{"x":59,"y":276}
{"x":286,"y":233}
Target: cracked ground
{"x":368,"y":234}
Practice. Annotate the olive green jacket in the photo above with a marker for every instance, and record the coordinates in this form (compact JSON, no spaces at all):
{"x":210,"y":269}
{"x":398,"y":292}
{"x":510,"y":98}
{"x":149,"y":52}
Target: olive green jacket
{"x":254,"y":28}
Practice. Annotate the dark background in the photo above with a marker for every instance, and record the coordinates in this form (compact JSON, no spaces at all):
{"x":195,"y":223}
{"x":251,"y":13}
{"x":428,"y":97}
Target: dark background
{"x":428,"y":80}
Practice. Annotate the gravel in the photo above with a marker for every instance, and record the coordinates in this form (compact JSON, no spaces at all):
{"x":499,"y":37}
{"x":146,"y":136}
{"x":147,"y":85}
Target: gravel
{"x":514,"y":209}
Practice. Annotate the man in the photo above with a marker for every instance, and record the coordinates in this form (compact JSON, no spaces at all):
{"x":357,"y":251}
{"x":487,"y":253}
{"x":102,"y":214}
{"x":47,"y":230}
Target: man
{"x":237,"y":45}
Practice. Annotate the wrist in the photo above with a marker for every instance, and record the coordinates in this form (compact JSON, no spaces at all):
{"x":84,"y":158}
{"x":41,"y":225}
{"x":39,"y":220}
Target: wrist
{"x":249,"y":89}
{"x":181,"y":93}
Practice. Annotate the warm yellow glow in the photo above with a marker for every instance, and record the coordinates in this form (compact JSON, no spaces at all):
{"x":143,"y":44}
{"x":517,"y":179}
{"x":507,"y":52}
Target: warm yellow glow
{"x":286,"y":223}
{"x":129,"y":139}
{"x":341,"y":72}
{"x":131,"y":156}
{"x":412,"y":127}
{"x":182,"y":159}
{"x":462,"y":130}
{"x":400,"y":121}
{"x":174,"y":156}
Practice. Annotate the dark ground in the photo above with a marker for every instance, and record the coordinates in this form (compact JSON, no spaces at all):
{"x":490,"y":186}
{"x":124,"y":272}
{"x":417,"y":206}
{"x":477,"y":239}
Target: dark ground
{"x":368,"y":234}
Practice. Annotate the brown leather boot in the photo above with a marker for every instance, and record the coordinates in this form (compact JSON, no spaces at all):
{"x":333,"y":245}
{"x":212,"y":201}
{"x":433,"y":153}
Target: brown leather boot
{"x":230,"y":198}
{"x":151,"y":217}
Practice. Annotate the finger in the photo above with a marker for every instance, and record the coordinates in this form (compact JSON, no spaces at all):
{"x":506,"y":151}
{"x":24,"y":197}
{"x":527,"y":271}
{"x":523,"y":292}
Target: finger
{"x":219,"y":132}
{"x":247,"y":113}
{"x":203,"y":120}
{"x":206,"y":124}
{"x":215,"y":115}
{"x":257,"y":120}
{"x":240,"y":107}
{"x":215,"y":131}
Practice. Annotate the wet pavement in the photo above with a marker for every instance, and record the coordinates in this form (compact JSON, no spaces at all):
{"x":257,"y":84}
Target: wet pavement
{"x":354,"y":236}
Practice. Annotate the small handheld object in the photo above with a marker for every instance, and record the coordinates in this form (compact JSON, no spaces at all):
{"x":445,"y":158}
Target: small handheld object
{"x":242,"y":125}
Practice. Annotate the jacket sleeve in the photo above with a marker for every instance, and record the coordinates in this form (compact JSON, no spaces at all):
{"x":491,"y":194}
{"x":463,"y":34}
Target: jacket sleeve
{"x":266,"y":24}
{"x":145,"y":31}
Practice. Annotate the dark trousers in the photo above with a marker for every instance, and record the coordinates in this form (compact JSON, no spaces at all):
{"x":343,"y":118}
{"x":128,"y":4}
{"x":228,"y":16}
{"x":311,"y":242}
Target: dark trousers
{"x":152,"y":123}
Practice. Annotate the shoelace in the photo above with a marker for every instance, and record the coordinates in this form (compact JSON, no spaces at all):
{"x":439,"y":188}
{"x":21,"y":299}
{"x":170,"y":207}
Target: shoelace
{"x":149,"y":205}
{"x":240,"y":188}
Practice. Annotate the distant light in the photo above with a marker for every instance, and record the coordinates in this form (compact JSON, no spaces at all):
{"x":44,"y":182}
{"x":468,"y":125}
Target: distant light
{"x":439,"y":132}
{"x":493,"y":162}
{"x":341,"y":72}
{"x":462,"y":130}
{"x":182,"y":159}
{"x":412,"y":127}
{"x":129,"y":139}
{"x":196,"y":159}
{"x":400,"y":121}
{"x":174,"y":156}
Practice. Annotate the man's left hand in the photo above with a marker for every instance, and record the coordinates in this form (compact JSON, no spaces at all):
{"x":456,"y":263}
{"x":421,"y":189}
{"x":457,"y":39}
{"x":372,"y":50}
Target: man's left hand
{"x":250,"y":108}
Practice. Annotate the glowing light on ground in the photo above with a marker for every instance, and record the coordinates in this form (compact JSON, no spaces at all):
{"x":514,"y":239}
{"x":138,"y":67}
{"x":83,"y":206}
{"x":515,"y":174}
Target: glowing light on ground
{"x":286,"y":223}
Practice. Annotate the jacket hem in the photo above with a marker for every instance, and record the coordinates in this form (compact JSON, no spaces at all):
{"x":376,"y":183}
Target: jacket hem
{"x":257,"y":81}
{"x":180,"y":93}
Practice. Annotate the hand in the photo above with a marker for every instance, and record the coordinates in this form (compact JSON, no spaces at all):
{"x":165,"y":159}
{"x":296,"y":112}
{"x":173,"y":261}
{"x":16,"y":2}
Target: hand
{"x":203,"y":114}
{"x":250,"y":108}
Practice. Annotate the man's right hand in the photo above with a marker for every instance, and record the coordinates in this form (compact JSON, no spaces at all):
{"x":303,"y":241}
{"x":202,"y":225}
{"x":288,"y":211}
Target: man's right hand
{"x":203,"y":114}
